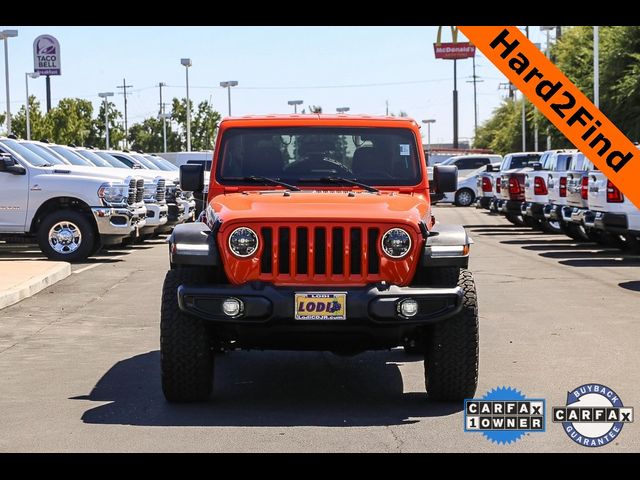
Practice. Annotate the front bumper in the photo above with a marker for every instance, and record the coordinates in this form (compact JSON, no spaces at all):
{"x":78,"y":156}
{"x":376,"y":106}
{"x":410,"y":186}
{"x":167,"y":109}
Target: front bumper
{"x":157,"y":216}
{"x":118,"y":222}
{"x":373,"y":306}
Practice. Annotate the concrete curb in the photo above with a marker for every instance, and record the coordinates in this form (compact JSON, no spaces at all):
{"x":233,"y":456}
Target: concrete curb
{"x":54,"y":272}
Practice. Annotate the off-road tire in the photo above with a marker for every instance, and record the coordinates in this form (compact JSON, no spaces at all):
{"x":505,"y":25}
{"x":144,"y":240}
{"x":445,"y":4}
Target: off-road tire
{"x":186,"y":356}
{"x":451,"y":358}
{"x":85,"y":226}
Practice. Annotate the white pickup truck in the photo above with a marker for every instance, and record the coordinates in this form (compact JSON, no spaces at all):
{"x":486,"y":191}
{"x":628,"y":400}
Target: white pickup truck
{"x":610,"y":211}
{"x":542,"y":184}
{"x":70,"y":213}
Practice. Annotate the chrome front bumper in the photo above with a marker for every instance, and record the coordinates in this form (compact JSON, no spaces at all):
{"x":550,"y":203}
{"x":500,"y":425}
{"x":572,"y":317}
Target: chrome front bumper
{"x":157,"y":215}
{"x":118,"y":222}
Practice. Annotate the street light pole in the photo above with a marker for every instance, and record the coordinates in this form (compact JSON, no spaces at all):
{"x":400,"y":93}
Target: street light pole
{"x":164,"y":117}
{"x":295,"y":104}
{"x":4,"y":35}
{"x":429,"y":122}
{"x":228,"y":84}
{"x":26,"y":107}
{"x":187,"y":63}
{"x":596,"y":66}
{"x":105,"y":95}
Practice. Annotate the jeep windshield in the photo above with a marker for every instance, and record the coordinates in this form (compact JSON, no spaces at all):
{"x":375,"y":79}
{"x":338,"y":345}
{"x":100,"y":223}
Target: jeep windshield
{"x":309,"y":156}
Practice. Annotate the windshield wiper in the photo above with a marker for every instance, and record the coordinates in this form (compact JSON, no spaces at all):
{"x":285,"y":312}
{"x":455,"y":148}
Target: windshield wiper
{"x":364,"y":186}
{"x":271,"y":181}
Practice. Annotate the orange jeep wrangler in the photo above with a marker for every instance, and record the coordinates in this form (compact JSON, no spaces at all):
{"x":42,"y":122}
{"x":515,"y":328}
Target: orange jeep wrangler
{"x":318,"y":235}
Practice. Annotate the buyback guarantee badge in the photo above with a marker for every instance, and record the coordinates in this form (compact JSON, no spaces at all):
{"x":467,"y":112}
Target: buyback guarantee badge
{"x":593,"y":416}
{"x":504,"y":415}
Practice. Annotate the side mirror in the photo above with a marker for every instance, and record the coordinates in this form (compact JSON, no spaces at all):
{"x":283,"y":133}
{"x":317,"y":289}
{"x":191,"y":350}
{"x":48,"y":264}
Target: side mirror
{"x":192,"y":177}
{"x":489,"y":168}
{"x":537,"y":166}
{"x":445,"y":178}
{"x":8,"y":164}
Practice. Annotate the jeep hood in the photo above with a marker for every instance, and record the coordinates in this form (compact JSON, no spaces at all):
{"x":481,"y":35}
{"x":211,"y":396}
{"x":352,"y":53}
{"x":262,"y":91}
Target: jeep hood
{"x":308,"y":205}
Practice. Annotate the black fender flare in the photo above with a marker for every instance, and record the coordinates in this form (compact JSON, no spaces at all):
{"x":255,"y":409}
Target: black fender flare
{"x":193,"y":244}
{"x":434,"y":255}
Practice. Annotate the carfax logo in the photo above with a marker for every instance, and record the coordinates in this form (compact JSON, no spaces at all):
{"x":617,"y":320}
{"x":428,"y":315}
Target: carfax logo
{"x":504,"y":415}
{"x":593,"y":416}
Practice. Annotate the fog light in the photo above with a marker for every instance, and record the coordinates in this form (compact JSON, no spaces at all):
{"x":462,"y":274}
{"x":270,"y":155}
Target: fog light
{"x":409,"y":307}
{"x":232,"y":307}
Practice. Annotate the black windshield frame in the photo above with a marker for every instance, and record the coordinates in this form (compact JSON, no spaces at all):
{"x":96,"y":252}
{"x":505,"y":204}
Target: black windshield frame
{"x":387,"y":140}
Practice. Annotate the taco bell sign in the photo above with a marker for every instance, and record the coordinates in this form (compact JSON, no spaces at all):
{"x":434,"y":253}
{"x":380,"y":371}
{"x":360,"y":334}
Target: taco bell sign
{"x":46,"y":55}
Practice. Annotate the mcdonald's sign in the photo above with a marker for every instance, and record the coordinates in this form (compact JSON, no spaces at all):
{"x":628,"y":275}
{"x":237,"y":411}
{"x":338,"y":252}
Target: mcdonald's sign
{"x":453,"y":50}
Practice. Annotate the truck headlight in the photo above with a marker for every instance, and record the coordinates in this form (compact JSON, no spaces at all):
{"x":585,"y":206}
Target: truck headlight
{"x":113,"y":193}
{"x":150,"y":192}
{"x":396,"y":243}
{"x":243,"y":242}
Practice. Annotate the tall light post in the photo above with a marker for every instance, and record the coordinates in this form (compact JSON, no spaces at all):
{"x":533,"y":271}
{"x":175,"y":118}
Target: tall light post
{"x":342,"y":109}
{"x":186,"y":62}
{"x":295,"y":104}
{"x":4,"y":35}
{"x":228,"y":84}
{"x":164,"y":117}
{"x":106,"y":95}
{"x":429,"y":122}
{"x":596,"y":66}
{"x":26,"y":106}
{"x":548,"y":29}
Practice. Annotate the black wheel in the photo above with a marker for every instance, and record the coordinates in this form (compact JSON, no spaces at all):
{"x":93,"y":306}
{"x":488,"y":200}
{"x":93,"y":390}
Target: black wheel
{"x":442,"y":276}
{"x":464,"y":197}
{"x":575,"y":231}
{"x":550,"y":226}
{"x":451,"y":359}
{"x":515,"y":219}
{"x":66,"y":235}
{"x":532,"y":223}
{"x":186,"y":356}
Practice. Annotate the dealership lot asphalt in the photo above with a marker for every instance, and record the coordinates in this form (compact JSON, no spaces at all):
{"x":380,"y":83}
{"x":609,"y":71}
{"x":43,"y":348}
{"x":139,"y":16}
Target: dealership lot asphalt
{"x":80,"y":361}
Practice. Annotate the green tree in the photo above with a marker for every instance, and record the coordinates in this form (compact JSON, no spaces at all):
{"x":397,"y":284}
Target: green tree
{"x":70,"y":121}
{"x":97,"y":138}
{"x":147,"y":136}
{"x":36,"y":121}
{"x":204,"y":123}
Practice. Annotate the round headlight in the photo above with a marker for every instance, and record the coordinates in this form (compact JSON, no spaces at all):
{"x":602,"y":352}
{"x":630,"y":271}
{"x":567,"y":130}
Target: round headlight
{"x":396,"y":243}
{"x":243,"y":242}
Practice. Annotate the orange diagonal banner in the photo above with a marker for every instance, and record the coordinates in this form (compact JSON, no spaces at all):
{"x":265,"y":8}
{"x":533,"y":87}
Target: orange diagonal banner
{"x":562,"y":103}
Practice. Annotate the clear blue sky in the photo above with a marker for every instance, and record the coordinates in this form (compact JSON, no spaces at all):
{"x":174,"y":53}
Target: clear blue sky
{"x":358,"y":67}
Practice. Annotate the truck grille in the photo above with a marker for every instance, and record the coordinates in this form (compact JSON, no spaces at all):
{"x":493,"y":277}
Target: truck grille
{"x":132,"y":192}
{"x":336,"y":253}
{"x":139,"y":190}
{"x":161,"y":191}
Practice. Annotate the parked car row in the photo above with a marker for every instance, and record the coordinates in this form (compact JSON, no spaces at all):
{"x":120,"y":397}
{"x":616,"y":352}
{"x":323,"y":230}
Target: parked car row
{"x":75,"y":200}
{"x":560,"y":191}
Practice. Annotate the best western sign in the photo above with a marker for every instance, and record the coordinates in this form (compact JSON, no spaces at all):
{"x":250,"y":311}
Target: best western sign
{"x":453,"y":50}
{"x":46,"y":55}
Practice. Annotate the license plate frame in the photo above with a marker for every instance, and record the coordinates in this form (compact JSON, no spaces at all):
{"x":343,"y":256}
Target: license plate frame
{"x":327,"y":306}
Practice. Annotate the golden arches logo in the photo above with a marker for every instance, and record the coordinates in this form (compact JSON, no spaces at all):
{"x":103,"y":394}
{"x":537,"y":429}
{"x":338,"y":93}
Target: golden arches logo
{"x":454,"y":35}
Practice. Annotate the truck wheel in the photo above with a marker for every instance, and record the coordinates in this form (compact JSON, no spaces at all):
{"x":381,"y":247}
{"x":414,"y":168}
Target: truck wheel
{"x":451,"y":358}
{"x":515,"y":219}
{"x":66,"y":235}
{"x":532,"y":223}
{"x":186,"y":358}
{"x":464,"y":197}
{"x":550,"y":226}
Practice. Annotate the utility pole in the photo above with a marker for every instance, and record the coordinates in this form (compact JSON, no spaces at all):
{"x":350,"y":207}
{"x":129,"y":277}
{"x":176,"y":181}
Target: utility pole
{"x":386,"y":102}
{"x":160,"y":85}
{"x":524,"y":111}
{"x":475,"y":80}
{"x":596,"y":66}
{"x":124,"y":86}
{"x":455,"y":103}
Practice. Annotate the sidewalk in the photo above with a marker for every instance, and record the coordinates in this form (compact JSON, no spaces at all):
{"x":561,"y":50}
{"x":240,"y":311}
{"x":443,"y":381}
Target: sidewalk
{"x":20,"y":279}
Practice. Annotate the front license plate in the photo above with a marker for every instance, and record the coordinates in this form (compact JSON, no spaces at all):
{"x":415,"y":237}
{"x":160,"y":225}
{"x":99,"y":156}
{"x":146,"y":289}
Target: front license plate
{"x":321,"y":306}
